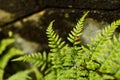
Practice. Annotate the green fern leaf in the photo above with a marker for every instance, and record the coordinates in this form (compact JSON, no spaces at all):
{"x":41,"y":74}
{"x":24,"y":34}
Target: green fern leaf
{"x":76,"y":32}
{"x":54,"y":39}
{"x":106,"y":34}
{"x":37,"y":59}
{"x":100,"y":43}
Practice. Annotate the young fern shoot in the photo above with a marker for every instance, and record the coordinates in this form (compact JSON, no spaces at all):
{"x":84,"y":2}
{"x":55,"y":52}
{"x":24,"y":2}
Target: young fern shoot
{"x":77,"y":31}
{"x":55,"y":42}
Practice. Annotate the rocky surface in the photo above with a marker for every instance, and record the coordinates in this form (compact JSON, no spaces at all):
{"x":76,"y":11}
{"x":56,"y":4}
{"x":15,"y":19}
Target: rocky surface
{"x":83,"y":4}
{"x":24,"y":8}
{"x":18,"y":8}
{"x":5,"y":17}
{"x":29,"y":19}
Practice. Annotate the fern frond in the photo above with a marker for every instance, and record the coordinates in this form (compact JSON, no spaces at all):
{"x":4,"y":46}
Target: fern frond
{"x":112,"y":58}
{"x":55,"y":42}
{"x":105,"y":35}
{"x":37,"y":59}
{"x":107,"y":59}
{"x":76,"y":32}
{"x":104,"y":64}
{"x":101,"y":59}
{"x":99,"y":43}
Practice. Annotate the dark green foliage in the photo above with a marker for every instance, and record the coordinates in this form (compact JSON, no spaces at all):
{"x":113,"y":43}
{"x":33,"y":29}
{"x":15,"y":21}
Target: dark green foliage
{"x":98,"y":61}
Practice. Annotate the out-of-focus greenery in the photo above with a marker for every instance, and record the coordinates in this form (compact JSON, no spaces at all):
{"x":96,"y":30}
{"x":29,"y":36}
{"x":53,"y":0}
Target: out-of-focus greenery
{"x":6,"y":53}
